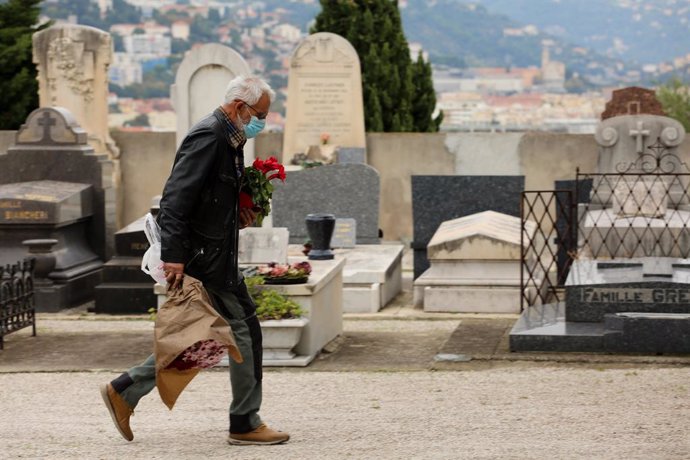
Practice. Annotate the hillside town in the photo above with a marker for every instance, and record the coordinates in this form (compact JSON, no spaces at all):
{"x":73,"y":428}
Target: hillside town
{"x":548,"y":97}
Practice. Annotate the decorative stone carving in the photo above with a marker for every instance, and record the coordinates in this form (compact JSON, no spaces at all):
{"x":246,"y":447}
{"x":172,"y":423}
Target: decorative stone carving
{"x":72,"y":64}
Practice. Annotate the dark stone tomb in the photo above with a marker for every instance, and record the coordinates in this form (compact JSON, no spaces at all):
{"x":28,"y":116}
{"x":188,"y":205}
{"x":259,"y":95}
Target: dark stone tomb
{"x":621,"y":305}
{"x":125,"y":288}
{"x":57,"y":211}
{"x":53,"y":186}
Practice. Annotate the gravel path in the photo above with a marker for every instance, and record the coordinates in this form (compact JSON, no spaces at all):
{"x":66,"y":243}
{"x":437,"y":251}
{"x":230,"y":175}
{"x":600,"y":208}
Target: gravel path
{"x":514,"y":413}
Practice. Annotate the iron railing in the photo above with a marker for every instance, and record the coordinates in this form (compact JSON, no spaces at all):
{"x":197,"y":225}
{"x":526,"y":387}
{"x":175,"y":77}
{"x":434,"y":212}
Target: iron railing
{"x":607,"y":216}
{"x":17,"y":309}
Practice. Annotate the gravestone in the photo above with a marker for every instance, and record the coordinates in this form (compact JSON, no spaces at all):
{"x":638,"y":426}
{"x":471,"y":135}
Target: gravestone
{"x":201,"y":81}
{"x":436,"y":199}
{"x":351,"y":155}
{"x":628,"y":289}
{"x":475,"y":265}
{"x":263,"y":245}
{"x":324,"y":95}
{"x":52,"y":146}
{"x":344,"y":234}
{"x":125,"y":288}
{"x":61,"y":211}
{"x":72,"y":63}
{"x":345,"y":190}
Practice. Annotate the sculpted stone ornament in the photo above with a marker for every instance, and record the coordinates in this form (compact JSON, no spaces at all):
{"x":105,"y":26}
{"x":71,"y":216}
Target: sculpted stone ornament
{"x":72,"y":63}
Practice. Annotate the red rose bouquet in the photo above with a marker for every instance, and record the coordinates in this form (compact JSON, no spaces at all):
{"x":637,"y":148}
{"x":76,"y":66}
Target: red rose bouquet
{"x":257,"y":189}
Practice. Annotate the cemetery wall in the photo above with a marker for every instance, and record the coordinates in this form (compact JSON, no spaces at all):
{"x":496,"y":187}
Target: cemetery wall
{"x":542,"y":157}
{"x":145,"y":161}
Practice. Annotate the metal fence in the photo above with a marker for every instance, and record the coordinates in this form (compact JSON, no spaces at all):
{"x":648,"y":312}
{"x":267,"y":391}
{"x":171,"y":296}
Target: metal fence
{"x":606,"y":216}
{"x":17,"y":309}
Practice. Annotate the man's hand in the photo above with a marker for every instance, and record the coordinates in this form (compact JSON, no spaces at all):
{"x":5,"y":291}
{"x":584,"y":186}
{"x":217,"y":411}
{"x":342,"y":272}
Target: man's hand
{"x":247,"y":217}
{"x":173,"y":274}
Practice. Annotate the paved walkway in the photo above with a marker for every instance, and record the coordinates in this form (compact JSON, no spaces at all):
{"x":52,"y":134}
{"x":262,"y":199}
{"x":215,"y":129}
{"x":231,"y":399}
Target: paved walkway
{"x":379,"y":393}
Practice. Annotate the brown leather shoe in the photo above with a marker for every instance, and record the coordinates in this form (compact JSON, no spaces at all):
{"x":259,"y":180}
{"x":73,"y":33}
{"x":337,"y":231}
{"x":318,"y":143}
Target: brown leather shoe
{"x":119,"y":410}
{"x":261,"y":436}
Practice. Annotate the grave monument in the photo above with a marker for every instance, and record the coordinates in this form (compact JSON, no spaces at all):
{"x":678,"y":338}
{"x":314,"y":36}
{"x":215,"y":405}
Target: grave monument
{"x":72,"y":63}
{"x":53,"y":186}
{"x":628,"y":290}
{"x":324,"y":97}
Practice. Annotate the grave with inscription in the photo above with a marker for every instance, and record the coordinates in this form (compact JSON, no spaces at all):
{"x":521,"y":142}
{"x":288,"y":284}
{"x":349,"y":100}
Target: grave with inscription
{"x":53,"y":186}
{"x":324,"y":96}
{"x":628,"y":289}
{"x":344,"y":234}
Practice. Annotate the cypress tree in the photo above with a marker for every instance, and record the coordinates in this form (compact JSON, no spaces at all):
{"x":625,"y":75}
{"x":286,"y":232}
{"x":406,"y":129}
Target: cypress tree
{"x":391,"y":84}
{"x":18,"y":85}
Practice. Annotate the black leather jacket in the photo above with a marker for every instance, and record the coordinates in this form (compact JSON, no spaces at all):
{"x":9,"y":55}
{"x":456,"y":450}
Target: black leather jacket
{"x":199,"y":209}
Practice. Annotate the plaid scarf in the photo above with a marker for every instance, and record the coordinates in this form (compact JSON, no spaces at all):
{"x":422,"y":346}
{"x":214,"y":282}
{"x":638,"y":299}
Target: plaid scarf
{"x":236,"y":139}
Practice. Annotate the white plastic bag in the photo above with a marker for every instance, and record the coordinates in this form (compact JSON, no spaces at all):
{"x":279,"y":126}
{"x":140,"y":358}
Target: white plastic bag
{"x":151,"y":263}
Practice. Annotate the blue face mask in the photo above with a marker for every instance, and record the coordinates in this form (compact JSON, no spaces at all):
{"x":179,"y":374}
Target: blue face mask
{"x":254,"y":127}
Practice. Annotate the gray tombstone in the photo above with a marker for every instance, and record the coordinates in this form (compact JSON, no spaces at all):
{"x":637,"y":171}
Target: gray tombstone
{"x":345,"y":234}
{"x":263,"y":245}
{"x":436,"y":199}
{"x":351,"y":155}
{"x":345,"y":190}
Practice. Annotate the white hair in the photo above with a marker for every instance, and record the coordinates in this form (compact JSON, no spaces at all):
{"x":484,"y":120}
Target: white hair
{"x":248,"y":89}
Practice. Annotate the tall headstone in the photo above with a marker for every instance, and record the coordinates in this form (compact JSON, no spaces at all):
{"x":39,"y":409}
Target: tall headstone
{"x":201,"y":81}
{"x":344,"y":190}
{"x":72,"y":63}
{"x":324,"y":95}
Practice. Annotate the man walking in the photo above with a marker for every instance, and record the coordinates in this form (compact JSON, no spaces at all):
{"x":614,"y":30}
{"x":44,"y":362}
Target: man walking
{"x":200,"y":219}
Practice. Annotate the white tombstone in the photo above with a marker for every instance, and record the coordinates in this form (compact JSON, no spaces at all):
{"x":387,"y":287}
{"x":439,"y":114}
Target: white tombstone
{"x":324,"y":95}
{"x":72,"y":63}
{"x":263,"y":245}
{"x":475,"y":265}
{"x":200,"y":85}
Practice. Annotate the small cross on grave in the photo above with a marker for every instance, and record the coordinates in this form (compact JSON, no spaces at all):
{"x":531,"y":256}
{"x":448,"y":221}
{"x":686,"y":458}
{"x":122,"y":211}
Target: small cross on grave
{"x":47,"y":122}
{"x":639,"y":134}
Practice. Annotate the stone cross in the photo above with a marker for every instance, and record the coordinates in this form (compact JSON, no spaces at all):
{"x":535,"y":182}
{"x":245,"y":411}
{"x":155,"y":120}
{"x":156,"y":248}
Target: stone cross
{"x":639,"y":134}
{"x":46,"y":121}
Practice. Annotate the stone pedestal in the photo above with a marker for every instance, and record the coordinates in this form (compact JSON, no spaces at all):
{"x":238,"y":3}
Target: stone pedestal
{"x":475,"y":266}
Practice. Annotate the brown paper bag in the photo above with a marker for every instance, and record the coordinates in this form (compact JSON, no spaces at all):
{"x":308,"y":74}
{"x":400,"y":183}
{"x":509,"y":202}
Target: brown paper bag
{"x":184,"y":319}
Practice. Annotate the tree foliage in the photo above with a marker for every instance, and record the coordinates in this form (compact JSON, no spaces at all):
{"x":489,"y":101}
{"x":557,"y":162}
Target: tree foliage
{"x":398,"y":93}
{"x":675,"y":98}
{"x":18,"y":86}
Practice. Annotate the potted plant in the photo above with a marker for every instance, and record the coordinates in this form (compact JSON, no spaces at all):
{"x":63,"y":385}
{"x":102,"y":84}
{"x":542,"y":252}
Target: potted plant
{"x":281,"y":319}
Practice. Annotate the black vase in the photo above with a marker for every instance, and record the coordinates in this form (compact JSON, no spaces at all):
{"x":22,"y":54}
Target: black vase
{"x":41,"y":252}
{"x":320,"y":229}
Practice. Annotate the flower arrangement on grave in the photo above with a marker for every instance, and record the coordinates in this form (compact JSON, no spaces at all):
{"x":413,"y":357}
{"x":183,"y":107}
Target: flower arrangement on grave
{"x":274,"y":273}
{"x":325,"y":137}
{"x":257,"y":189}
{"x":271,"y":304}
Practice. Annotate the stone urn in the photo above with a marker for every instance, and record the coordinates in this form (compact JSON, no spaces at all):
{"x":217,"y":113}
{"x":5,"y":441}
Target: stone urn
{"x":41,"y":251}
{"x":320,"y":230}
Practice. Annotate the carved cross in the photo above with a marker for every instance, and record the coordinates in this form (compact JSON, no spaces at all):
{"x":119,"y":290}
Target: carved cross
{"x":639,"y":134}
{"x":47,"y":122}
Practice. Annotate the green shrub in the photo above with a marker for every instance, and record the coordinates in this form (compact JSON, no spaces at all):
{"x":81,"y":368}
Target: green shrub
{"x":270,"y":304}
